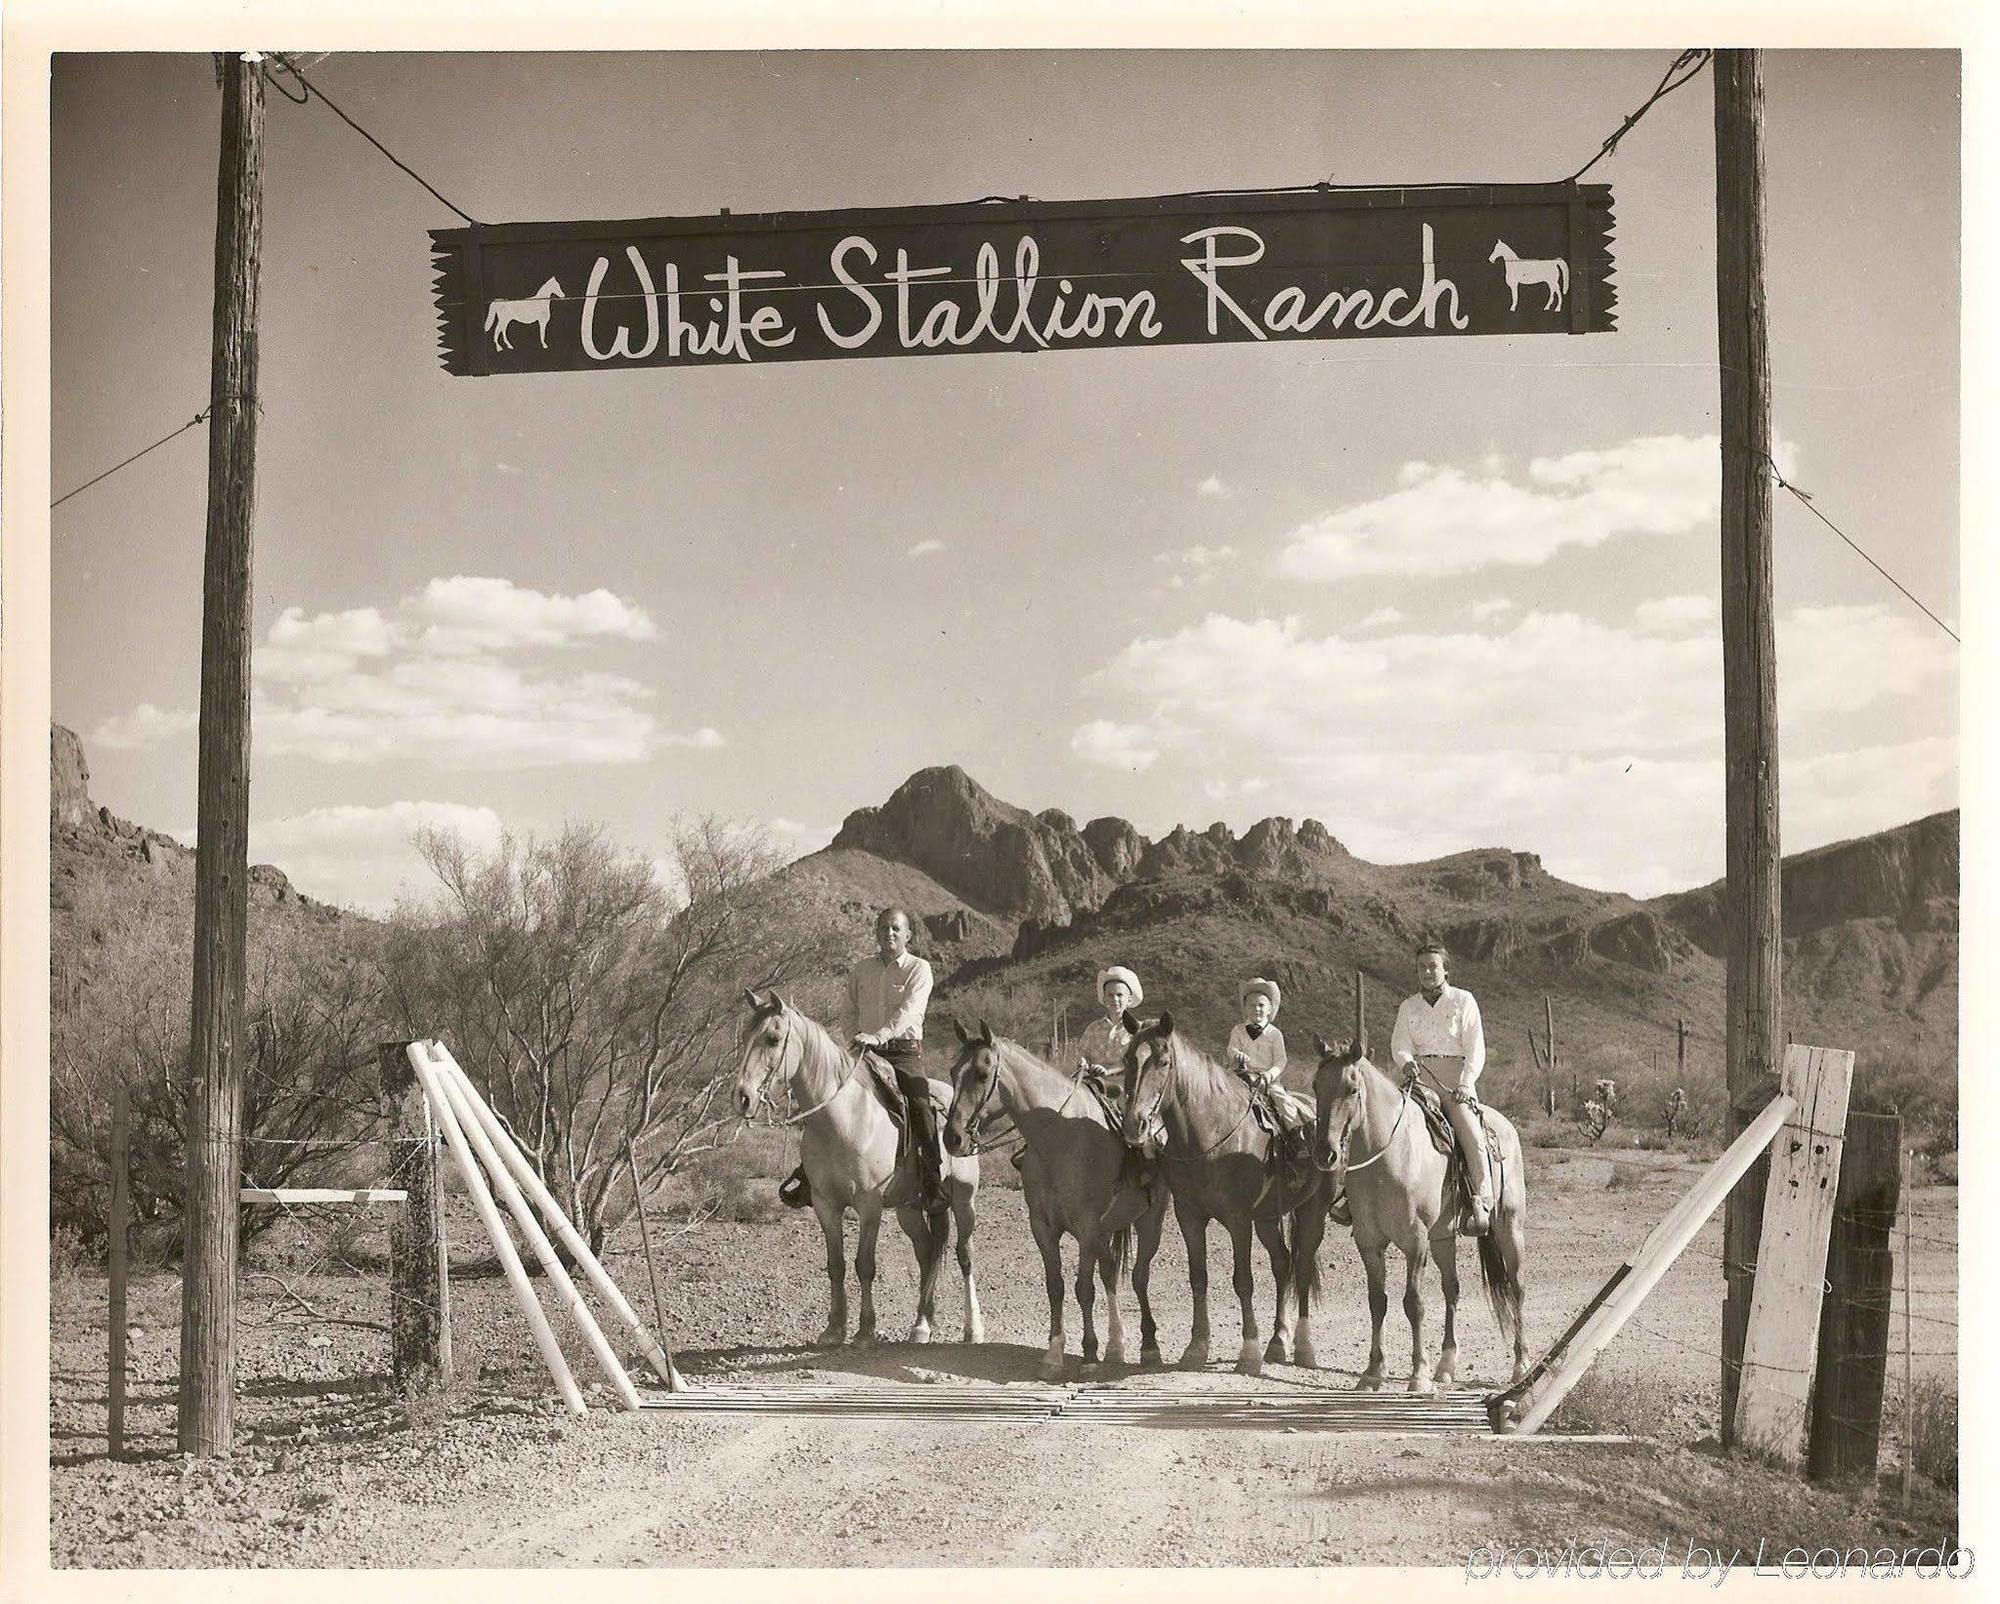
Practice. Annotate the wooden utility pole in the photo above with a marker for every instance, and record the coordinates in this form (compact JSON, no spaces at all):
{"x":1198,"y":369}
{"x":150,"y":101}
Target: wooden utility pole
{"x":215,"y":1105}
{"x":1751,"y":907}
{"x":1360,"y":1010}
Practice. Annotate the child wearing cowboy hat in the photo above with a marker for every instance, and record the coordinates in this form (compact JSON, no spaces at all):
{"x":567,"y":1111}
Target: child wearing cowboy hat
{"x":1105,"y":1039}
{"x":1257,"y":1049}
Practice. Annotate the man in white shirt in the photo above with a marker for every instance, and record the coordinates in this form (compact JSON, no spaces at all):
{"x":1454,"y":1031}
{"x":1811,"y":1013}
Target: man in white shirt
{"x":1440,"y":1029}
{"x":886,"y":999}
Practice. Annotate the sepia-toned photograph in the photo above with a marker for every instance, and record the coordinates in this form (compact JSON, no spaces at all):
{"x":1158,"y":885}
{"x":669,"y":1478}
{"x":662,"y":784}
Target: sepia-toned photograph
{"x":1004,"y":808}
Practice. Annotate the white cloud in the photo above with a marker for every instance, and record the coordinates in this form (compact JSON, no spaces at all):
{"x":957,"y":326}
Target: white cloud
{"x":362,"y":857}
{"x":144,"y":725}
{"x":1492,"y":607}
{"x":1667,"y":613}
{"x":470,"y":614}
{"x":927,"y":548}
{"x":1596,"y":745}
{"x":1213,"y":488}
{"x":1382,"y":618}
{"x":795,"y":839}
{"x":1443,"y":520}
{"x":1118,"y":746}
{"x":1194,"y":565}
{"x":446,"y":677}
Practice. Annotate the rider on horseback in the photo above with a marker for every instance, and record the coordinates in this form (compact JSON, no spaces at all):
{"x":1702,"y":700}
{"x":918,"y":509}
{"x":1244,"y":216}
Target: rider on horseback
{"x":1257,"y":1049}
{"x":1102,"y":1057}
{"x":886,"y":999}
{"x":1438,"y":1033}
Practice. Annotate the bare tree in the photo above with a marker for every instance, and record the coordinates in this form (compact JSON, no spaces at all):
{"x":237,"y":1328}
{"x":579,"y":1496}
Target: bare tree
{"x":592,"y":994}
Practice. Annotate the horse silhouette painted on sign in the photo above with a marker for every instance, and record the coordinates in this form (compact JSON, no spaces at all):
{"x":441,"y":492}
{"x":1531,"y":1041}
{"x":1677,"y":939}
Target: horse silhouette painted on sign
{"x":1216,"y":1162}
{"x":502,"y":315}
{"x":1552,"y":273}
{"x":847,"y":1143}
{"x":1369,"y":1131}
{"x":1070,"y":1180}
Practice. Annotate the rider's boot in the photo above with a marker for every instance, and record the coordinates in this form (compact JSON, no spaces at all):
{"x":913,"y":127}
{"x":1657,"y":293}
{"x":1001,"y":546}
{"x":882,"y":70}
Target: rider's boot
{"x":1471,"y":1133}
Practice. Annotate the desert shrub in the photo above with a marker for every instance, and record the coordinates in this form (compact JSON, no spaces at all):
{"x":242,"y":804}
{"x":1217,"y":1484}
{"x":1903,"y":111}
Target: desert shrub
{"x":1618,"y":1404}
{"x":68,"y":1258}
{"x":1625,"y":1178}
{"x":121,"y":977}
{"x":594,"y":996}
{"x":1934,"y":1430}
{"x":1899,"y":1080}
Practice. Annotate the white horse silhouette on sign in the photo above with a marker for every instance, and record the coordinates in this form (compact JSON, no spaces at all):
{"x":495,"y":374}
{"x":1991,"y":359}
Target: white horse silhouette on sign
{"x":501,"y":315}
{"x":1551,"y":273}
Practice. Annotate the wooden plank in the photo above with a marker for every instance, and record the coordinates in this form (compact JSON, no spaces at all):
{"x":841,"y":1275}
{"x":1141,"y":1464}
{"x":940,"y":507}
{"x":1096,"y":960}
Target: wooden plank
{"x":1803,"y":1184}
{"x":1564,"y":1367}
{"x":321,"y":1194}
{"x":1843,"y":1442}
{"x":419,"y":1255}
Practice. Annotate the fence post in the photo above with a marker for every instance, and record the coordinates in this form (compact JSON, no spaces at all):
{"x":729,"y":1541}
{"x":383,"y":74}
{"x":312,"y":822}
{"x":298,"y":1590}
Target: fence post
{"x":419,"y":1258}
{"x":118,"y":1226}
{"x":1846,"y":1431}
{"x":1909,"y":1379}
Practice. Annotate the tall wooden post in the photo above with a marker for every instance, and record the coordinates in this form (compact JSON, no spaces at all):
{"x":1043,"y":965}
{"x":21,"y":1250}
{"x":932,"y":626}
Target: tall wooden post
{"x":419,"y":1259}
{"x":1751,"y":910}
{"x":214,"y":1135}
{"x":1360,"y":1010}
{"x":118,"y":1228}
{"x":1846,"y":1431}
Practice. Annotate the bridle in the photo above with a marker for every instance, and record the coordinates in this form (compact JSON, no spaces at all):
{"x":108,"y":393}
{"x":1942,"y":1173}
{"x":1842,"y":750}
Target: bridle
{"x":1154,"y":1124}
{"x":1340,"y":1163}
{"x":777,"y":1055}
{"x":977,"y":1118}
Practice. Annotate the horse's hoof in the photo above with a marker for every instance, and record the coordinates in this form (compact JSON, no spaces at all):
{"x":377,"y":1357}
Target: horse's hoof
{"x":1446,"y":1374}
{"x":1422,"y":1385}
{"x":1152,"y":1358}
{"x":1194,"y":1356}
{"x":1052,"y":1367}
{"x":1275,"y":1353}
{"x":920,"y":1332}
{"x":1304,"y":1355}
{"x":865,"y":1339}
{"x":974,"y":1333}
{"x":1114,"y":1355}
{"x":1368,"y":1383}
{"x":832,"y":1337}
{"x":1090,"y":1363}
{"x":1250,"y":1363}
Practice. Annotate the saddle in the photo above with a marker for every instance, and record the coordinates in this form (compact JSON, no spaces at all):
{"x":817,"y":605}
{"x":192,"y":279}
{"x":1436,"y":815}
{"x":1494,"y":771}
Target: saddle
{"x":1445,"y":1140}
{"x":1264,"y":1109}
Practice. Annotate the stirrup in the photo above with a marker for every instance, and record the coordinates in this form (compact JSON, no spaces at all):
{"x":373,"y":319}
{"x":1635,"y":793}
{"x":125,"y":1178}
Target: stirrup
{"x":1337,"y":1209}
{"x":1469,"y":1223}
{"x":795,"y":1191}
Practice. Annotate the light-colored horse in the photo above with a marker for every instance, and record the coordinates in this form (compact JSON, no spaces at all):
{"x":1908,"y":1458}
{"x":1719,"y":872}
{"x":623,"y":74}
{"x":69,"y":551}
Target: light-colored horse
{"x":1069,"y":1179}
{"x":847,"y":1143}
{"x":501,"y":315}
{"x":1370,"y":1132}
{"x":1552,"y":273}
{"x":1215,"y":1161}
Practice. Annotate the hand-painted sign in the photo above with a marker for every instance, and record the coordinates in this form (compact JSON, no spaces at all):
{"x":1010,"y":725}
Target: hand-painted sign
{"x":1026,"y":276}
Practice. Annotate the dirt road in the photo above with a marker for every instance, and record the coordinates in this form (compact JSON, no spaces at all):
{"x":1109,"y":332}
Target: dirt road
{"x":332,"y":1473}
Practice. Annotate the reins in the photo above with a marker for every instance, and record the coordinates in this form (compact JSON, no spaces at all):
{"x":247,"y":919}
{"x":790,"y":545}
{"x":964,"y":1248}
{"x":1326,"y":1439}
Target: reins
{"x":1402,"y":1108}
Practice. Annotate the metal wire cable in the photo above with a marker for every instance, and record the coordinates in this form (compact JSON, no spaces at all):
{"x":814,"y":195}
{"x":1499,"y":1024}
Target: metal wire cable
{"x":1806,"y":501}
{"x":199,"y":417}
{"x":310,"y":89}
{"x":1689,"y":64}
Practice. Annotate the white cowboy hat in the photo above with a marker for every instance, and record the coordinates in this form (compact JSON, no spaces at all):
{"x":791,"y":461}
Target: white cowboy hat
{"x":1268,"y":988}
{"x":1120,"y":972}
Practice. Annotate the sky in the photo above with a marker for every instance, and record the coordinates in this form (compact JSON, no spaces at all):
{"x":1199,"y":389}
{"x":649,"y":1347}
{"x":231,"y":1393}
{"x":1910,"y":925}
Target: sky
{"x":1437,"y":594}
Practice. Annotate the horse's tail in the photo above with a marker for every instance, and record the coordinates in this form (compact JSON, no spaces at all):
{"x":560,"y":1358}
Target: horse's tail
{"x":1305,"y":1267}
{"x":1503,"y":1286}
{"x":1121,"y":1252}
{"x":1562,"y":274}
{"x":492,"y":315}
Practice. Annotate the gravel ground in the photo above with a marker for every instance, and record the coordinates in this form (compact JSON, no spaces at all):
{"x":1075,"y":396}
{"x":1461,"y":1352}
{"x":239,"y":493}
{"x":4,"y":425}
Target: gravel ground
{"x":332,"y":1470}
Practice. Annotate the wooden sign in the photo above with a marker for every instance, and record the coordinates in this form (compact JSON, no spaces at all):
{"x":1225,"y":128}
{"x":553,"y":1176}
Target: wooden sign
{"x":1026,"y":276}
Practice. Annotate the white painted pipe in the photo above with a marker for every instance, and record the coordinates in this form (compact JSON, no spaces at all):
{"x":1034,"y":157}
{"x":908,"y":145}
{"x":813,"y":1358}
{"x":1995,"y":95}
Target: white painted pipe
{"x":510,"y":1194}
{"x":430,"y":1077}
{"x":1666,"y":1242}
{"x":531,"y":1183}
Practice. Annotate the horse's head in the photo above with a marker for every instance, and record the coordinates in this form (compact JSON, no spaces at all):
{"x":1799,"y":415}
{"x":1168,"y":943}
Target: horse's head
{"x":1337,"y":1086}
{"x":1150,"y":1059}
{"x":973,"y":1076}
{"x":765,"y":1039}
{"x":550,"y":291}
{"x":1502,"y":252}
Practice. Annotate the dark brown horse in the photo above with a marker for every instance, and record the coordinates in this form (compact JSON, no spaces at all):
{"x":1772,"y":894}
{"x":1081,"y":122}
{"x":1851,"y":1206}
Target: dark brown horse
{"x":1215,"y":1158}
